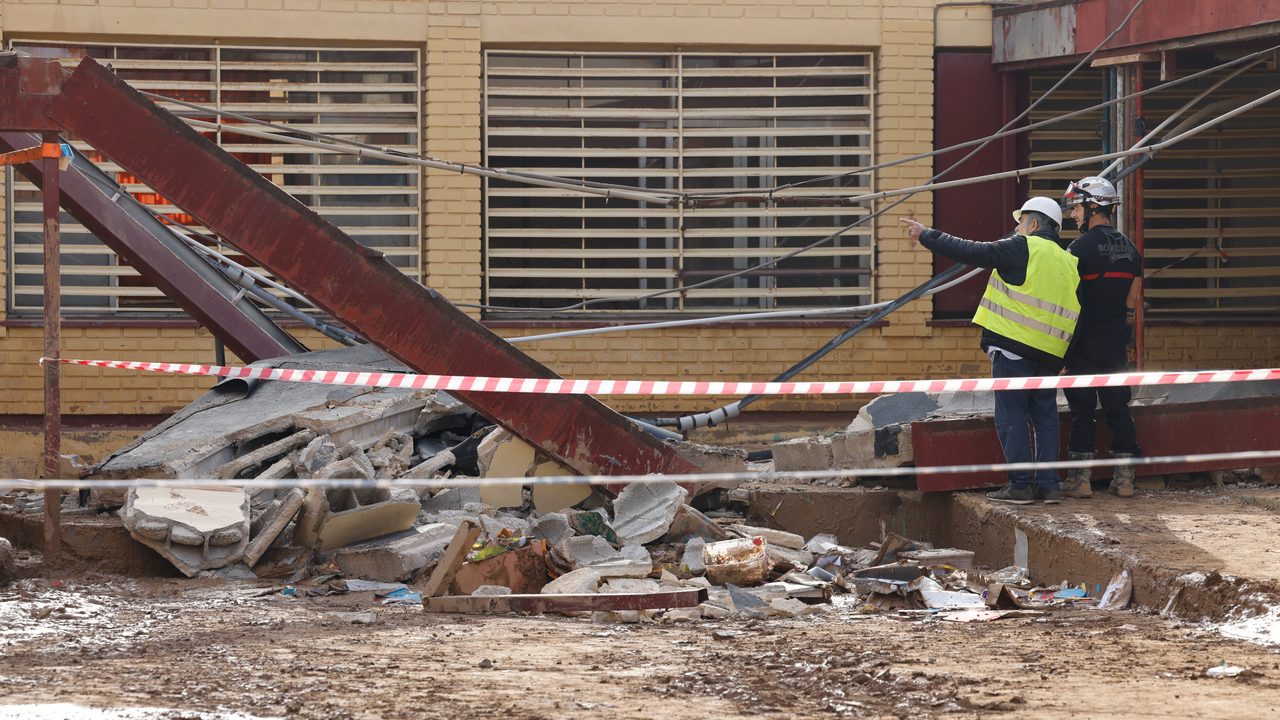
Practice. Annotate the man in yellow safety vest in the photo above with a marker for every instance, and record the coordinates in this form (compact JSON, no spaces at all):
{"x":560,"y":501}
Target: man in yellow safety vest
{"x":1028,"y":315}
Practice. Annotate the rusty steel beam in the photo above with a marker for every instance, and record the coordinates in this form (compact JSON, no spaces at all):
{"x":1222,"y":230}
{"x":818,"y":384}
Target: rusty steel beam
{"x":355,"y":284}
{"x":165,"y":262}
{"x":27,"y":86}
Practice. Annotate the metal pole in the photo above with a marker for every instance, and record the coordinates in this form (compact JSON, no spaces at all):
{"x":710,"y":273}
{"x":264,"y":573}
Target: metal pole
{"x":52,"y":349}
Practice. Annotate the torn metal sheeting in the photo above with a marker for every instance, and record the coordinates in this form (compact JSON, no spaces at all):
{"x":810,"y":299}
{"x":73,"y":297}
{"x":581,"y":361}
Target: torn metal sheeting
{"x":612,"y":602}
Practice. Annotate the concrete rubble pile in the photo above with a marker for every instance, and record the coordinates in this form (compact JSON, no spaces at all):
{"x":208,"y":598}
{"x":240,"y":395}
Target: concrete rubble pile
{"x":261,"y":435}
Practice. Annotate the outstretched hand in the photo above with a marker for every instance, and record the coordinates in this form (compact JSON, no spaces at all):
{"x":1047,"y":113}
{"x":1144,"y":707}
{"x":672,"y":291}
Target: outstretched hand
{"x":913,"y":228}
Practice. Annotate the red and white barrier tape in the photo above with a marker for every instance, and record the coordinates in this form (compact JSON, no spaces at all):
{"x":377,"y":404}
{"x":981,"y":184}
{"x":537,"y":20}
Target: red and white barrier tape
{"x":558,"y":386}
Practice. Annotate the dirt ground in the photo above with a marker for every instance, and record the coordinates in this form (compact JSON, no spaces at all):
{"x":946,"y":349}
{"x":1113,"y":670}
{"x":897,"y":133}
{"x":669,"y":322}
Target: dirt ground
{"x":223,"y":648}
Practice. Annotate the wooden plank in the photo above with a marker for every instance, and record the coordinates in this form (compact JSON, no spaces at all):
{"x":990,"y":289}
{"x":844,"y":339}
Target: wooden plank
{"x":452,"y":559}
{"x":473,"y":604}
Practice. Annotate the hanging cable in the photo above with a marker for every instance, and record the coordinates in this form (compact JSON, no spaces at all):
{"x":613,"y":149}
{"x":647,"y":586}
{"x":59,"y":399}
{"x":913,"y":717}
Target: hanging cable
{"x":767,"y":315}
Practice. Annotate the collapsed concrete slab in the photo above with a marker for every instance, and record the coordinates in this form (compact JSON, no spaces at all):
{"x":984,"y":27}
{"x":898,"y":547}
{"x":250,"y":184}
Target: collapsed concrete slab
{"x":258,"y":423}
{"x":360,"y":515}
{"x":195,"y":529}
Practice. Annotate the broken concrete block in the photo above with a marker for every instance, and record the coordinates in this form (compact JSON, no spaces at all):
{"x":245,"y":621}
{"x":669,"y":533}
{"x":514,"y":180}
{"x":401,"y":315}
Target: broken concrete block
{"x":389,"y":512}
{"x":397,"y":559}
{"x":430,"y":467}
{"x":630,"y":585}
{"x":273,"y":522}
{"x":523,"y":570}
{"x":683,"y":614}
{"x":790,"y":607}
{"x":806,"y":453}
{"x":552,"y":527}
{"x":8,"y":565}
{"x":586,"y":550}
{"x":714,"y":458}
{"x":781,"y":558}
{"x":578,"y":582}
{"x":319,"y":452}
{"x":643,"y":512}
{"x":491,"y":590}
{"x":690,"y":523}
{"x":883,"y":447}
{"x":315,"y":507}
{"x":775,"y":537}
{"x":195,"y":529}
{"x":692,"y":560}
{"x":493,"y":526}
{"x":451,"y":499}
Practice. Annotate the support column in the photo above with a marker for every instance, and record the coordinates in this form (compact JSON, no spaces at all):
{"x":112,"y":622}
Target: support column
{"x":50,"y":154}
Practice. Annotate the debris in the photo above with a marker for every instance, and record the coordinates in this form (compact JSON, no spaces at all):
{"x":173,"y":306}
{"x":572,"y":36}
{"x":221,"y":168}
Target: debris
{"x":8,"y":566}
{"x":464,"y":537}
{"x":593,"y":522}
{"x":790,"y":607}
{"x":195,"y":529}
{"x":400,"y":596}
{"x":265,"y":454}
{"x":557,"y":497}
{"x":691,"y":561}
{"x":1004,"y":597}
{"x":578,"y":582}
{"x":594,"y":551}
{"x":355,"y":618}
{"x":1118,"y":593}
{"x":688,"y":523}
{"x":357,"y":585}
{"x":643,"y":512}
{"x":1012,"y":575}
{"x":935,"y":557}
{"x":782,"y":559}
{"x":396,"y":558}
{"x":974,"y":615}
{"x":492,"y":590}
{"x":938,"y":598}
{"x":360,"y":515}
{"x":485,"y":664}
{"x":779,"y":538}
{"x":430,"y":467}
{"x":521,"y":570}
{"x":274,"y":521}
{"x":552,"y":527}
{"x":741,"y":562}
{"x":630,"y":585}
{"x":565,"y":602}
{"x":1225,"y":671}
{"x":901,"y":572}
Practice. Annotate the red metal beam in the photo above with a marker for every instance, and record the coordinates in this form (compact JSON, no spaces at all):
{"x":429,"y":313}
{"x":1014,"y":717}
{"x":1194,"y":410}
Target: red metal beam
{"x":157,"y":263}
{"x":27,"y":86}
{"x":353,"y":283}
{"x":1182,"y":429}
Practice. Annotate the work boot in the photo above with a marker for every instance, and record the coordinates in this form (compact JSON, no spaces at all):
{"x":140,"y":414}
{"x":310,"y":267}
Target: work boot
{"x":1077,"y":483}
{"x":1049,"y":496}
{"x":1024,"y":495}
{"x":1122,"y":478}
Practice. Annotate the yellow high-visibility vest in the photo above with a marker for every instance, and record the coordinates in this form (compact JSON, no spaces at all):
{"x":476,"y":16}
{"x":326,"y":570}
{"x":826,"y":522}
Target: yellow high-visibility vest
{"x":1043,"y":310}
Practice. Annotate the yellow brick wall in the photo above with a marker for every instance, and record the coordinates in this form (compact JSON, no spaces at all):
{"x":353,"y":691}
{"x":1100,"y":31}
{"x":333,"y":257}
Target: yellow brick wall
{"x":453,"y":36}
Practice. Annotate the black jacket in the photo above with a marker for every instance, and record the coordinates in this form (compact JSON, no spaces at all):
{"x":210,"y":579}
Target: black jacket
{"x":1009,"y":256}
{"x":1109,"y":262}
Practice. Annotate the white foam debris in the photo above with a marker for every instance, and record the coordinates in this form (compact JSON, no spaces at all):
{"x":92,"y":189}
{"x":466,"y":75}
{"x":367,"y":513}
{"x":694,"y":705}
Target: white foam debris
{"x":1262,"y":629}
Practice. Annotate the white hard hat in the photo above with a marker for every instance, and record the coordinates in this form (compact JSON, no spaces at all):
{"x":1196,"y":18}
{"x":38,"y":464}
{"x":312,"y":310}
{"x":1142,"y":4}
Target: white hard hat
{"x":1043,"y":205}
{"x":1092,"y":189}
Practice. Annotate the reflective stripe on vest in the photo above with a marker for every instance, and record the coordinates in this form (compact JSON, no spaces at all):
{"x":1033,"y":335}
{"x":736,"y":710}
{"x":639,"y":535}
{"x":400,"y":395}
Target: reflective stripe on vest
{"x":1042,"y":312}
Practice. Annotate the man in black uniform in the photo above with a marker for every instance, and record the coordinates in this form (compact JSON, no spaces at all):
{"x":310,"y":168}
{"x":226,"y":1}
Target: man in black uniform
{"x":1110,"y":273}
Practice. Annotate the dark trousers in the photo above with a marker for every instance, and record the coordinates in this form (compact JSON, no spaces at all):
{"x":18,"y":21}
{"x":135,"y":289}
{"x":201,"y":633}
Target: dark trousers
{"x":1027,"y":422}
{"x":1115,"y":408}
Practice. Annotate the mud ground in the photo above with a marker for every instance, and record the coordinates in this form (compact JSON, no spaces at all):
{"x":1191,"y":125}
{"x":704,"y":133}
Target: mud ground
{"x":224,"y":647}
